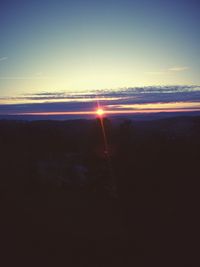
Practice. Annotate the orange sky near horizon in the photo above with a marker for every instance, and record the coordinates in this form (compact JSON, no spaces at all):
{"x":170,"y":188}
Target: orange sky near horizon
{"x":125,"y":109}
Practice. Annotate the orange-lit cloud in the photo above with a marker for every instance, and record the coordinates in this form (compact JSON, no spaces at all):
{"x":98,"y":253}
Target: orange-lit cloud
{"x":124,"y":109}
{"x":158,"y":106}
{"x":122,"y":101}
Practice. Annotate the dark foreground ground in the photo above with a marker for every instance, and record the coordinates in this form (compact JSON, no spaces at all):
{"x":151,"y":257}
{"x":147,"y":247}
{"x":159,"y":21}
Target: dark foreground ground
{"x":66,"y":202}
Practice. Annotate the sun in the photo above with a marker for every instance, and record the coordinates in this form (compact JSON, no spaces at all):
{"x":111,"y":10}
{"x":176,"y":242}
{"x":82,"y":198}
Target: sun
{"x":100,"y":112}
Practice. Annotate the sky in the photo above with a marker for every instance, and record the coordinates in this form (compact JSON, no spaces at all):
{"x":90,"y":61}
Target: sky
{"x":67,"y":47}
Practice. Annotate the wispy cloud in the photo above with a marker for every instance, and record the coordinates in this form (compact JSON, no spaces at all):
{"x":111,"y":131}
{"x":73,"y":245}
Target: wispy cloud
{"x":178,"y":68}
{"x":3,"y":58}
{"x":168,"y":71}
{"x":123,"y":101}
{"x":155,"y":72}
{"x":135,"y":95}
{"x":24,"y":77}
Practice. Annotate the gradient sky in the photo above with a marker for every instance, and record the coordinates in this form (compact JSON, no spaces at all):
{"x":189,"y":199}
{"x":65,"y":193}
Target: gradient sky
{"x":50,"y":46}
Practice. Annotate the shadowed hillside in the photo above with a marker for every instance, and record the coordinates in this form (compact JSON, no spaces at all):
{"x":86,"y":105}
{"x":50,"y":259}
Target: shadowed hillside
{"x":64,"y":199}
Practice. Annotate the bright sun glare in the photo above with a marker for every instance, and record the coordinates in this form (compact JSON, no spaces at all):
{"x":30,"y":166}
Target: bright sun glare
{"x":100,"y":112}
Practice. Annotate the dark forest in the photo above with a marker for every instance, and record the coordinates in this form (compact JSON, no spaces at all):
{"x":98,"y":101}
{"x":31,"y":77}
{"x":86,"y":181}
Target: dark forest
{"x":66,"y":199}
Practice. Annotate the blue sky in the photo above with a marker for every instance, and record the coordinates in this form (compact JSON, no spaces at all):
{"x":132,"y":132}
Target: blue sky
{"x":81,"y":46}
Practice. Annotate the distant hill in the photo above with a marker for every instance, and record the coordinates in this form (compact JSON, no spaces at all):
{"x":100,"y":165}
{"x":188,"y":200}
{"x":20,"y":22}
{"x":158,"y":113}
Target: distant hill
{"x":139,"y":116}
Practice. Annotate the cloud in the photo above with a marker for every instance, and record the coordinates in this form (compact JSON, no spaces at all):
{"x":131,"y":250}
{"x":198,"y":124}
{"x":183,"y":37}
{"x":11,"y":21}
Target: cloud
{"x":155,"y":72}
{"x":167,"y":71}
{"x":3,"y":58}
{"x":178,"y":68}
{"x":23,"y":78}
{"x":61,"y":101}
